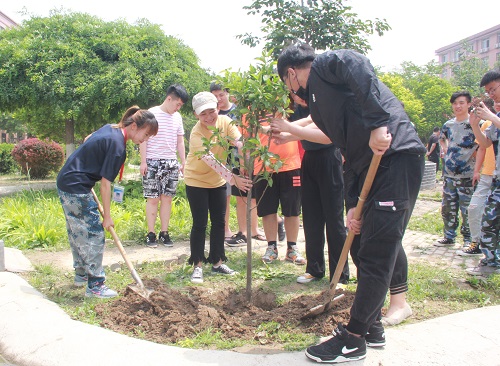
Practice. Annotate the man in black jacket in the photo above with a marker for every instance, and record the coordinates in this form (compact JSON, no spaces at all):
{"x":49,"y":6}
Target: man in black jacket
{"x":362,"y":117}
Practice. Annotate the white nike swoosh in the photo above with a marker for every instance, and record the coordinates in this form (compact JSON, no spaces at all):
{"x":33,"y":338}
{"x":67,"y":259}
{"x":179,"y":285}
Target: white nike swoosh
{"x":346,"y":350}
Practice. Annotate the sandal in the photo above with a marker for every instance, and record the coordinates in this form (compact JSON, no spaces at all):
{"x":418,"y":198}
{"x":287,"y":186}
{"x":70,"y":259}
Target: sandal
{"x":259,"y":237}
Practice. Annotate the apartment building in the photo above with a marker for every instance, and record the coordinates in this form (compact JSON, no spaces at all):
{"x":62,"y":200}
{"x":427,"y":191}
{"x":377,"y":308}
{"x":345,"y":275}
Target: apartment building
{"x":485,"y":44}
{"x":6,"y":22}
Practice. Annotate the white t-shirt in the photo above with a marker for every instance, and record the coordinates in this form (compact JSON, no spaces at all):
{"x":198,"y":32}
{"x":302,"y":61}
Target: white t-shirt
{"x":164,"y":144}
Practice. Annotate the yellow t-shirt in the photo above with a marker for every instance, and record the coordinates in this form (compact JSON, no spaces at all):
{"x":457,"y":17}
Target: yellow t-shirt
{"x":489,"y":157}
{"x":196,"y":172}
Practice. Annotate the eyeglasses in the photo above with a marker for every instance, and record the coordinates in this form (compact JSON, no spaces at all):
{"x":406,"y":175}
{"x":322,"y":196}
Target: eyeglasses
{"x":492,"y":91}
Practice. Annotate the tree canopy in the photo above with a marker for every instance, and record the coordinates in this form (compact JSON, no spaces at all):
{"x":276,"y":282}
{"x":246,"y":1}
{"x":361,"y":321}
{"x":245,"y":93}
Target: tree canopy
{"x":77,"y":68}
{"x":323,"y":24}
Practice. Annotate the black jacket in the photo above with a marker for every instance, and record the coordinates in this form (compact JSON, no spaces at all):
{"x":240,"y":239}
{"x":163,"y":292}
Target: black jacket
{"x":347,"y":101}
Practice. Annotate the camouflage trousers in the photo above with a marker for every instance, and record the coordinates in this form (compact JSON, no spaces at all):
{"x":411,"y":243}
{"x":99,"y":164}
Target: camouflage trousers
{"x":85,"y":232}
{"x":490,"y":226}
{"x":457,"y":194}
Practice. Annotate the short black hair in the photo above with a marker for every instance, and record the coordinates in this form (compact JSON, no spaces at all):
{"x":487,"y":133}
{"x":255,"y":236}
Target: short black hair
{"x":461,"y":93}
{"x":296,"y":55}
{"x":178,"y":91}
{"x":436,"y":129}
{"x":490,"y":76}
{"x":215,"y":87}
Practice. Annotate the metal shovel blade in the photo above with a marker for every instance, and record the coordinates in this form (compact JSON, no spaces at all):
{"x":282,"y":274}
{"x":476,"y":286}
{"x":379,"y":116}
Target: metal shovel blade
{"x":319,"y":309}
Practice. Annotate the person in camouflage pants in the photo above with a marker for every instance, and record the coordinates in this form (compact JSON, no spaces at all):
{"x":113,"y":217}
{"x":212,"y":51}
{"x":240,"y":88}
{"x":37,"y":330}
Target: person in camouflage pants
{"x":490,"y":224}
{"x":459,"y":147}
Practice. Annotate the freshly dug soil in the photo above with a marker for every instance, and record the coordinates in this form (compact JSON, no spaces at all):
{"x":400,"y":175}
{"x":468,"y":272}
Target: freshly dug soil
{"x":170,"y":316}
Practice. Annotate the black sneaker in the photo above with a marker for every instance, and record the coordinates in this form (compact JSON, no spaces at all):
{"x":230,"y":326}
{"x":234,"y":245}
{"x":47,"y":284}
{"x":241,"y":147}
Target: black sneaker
{"x":223,"y":269}
{"x":472,"y":249}
{"x":376,"y":335}
{"x":237,"y":240}
{"x":445,"y":242}
{"x":281,"y":230}
{"x":151,"y":240}
{"x":164,"y":238}
{"x":340,"y":348}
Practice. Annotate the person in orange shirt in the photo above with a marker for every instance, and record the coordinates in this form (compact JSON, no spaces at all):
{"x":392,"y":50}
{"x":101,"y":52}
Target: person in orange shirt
{"x":285,"y":191}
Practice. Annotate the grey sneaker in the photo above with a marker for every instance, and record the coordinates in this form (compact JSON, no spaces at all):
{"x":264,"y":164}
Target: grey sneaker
{"x":80,"y":280}
{"x":197,"y":276}
{"x":101,"y":291}
{"x":223,"y":269}
{"x":270,"y":255}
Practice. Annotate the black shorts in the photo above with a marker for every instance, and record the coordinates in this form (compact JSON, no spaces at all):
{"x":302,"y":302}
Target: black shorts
{"x":285,"y":191}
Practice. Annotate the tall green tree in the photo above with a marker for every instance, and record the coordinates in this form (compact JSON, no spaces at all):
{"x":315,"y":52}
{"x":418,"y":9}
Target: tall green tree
{"x":70,"y":73}
{"x":323,"y":24}
{"x":434,"y":92}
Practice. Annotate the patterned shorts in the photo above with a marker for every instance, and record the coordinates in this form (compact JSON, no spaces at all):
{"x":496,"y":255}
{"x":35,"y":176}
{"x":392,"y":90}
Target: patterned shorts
{"x":161,"y":177}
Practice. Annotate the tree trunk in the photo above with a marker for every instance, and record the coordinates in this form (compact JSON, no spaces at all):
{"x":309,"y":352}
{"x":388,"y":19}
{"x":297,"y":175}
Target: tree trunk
{"x":70,"y":137}
{"x":249,"y":234}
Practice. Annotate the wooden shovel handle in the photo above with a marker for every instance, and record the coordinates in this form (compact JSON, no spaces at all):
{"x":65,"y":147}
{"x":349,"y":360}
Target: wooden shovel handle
{"x":365,"y":190}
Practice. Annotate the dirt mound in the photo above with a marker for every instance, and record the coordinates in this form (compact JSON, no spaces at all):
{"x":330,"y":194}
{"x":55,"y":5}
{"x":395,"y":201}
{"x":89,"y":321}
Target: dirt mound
{"x":171,"y":315}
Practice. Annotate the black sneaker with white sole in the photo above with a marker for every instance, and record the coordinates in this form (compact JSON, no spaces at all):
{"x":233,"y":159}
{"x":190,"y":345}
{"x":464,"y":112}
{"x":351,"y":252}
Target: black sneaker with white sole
{"x":237,"y":240}
{"x":341,"y":347}
{"x":444,"y":242}
{"x":376,"y":335}
{"x":164,"y":238}
{"x":151,"y":240}
{"x":472,"y":249}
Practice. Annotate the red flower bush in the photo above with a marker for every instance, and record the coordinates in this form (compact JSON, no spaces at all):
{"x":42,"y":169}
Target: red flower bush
{"x":38,"y":158}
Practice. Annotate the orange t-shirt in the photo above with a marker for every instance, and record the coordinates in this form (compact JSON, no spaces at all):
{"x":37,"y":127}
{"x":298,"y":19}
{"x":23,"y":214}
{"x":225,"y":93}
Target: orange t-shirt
{"x":288,"y":152}
{"x":489,"y":157}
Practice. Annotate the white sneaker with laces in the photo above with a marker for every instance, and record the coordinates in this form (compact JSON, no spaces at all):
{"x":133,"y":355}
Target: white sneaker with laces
{"x":197,"y":276}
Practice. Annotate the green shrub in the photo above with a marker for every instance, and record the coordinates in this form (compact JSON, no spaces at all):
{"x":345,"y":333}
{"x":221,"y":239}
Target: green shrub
{"x":7,"y":162}
{"x":133,"y":155}
{"x":38,"y":158}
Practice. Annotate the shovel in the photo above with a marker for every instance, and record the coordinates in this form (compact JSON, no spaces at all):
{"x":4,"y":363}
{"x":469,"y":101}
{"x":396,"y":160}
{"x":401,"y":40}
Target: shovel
{"x":318,"y":309}
{"x":139,"y":288}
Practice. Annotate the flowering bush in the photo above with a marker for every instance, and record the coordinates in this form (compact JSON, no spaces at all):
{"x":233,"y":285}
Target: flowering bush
{"x":38,"y":158}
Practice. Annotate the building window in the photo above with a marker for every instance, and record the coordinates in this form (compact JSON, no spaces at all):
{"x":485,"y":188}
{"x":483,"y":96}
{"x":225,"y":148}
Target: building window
{"x":456,"y":55}
{"x":497,"y":45}
{"x":444,"y":59}
{"x":485,"y":45}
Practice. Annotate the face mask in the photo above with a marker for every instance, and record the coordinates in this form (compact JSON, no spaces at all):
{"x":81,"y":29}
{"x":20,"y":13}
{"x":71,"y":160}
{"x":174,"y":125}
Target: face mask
{"x":302,"y":93}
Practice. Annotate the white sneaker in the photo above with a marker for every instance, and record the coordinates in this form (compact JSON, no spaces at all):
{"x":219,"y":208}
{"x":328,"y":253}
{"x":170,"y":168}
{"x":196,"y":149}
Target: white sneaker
{"x":197,"y":276}
{"x":306,"y":278}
